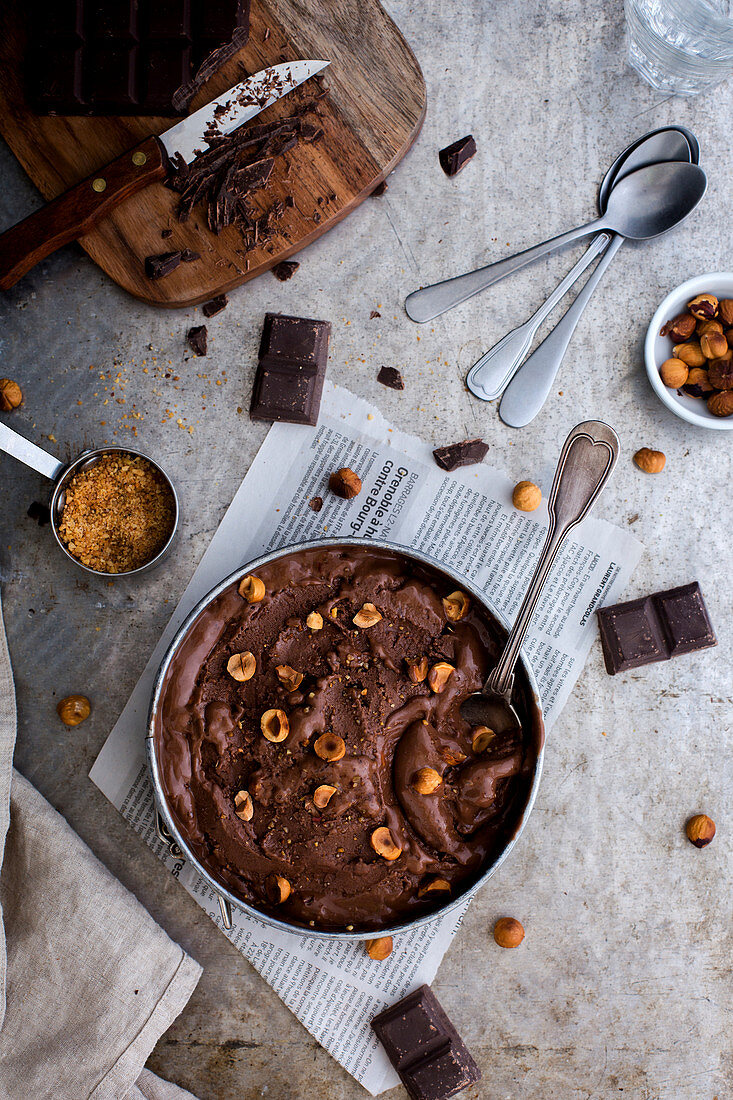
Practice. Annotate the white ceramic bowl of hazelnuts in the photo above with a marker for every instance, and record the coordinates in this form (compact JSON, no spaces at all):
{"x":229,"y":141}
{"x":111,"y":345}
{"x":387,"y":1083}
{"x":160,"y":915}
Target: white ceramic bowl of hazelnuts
{"x":684,"y":361}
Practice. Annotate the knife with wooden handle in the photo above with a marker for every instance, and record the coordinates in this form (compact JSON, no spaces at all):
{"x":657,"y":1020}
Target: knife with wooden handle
{"x":78,"y":210}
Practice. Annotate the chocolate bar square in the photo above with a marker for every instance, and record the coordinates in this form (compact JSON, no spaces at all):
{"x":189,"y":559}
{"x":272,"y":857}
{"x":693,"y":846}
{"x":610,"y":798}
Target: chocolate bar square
{"x":292,"y":369}
{"x":655,"y":628}
{"x":424,"y":1047}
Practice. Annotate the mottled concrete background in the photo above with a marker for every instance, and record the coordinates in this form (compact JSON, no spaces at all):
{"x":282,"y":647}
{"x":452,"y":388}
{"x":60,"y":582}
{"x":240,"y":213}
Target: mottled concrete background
{"x":622,"y":983}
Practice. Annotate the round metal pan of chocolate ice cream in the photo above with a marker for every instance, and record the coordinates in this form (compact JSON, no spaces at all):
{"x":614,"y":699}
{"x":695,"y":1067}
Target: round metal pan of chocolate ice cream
{"x":306,"y":745}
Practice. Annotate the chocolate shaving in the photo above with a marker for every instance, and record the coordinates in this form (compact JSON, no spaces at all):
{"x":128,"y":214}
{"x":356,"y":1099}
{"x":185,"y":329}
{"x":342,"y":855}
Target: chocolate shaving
{"x":374,"y":313}
{"x":316,"y":503}
{"x":285,"y":270}
{"x":162,"y":264}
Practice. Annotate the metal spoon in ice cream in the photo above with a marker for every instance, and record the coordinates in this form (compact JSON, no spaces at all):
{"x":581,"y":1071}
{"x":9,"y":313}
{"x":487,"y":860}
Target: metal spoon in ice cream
{"x":585,"y":465}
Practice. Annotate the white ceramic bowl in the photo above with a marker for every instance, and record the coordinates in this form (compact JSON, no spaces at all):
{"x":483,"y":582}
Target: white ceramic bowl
{"x":658,"y":348}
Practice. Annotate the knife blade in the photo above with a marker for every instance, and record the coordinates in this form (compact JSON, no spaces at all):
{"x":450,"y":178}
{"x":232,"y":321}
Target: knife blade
{"x":78,"y":210}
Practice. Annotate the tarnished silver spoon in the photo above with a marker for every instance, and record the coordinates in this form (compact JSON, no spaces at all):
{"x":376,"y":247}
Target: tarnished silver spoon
{"x":585,"y":465}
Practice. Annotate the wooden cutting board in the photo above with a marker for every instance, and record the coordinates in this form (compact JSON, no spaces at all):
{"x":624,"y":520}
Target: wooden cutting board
{"x":371,"y":117}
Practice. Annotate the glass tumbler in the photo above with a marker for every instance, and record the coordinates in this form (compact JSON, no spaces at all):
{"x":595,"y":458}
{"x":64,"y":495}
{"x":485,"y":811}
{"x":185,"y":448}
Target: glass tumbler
{"x":680,"y":46}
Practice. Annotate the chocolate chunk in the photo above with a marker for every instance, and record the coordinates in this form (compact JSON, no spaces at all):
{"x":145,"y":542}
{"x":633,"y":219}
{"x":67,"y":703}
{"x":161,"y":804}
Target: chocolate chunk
{"x":374,"y":313}
{"x":316,"y":503}
{"x":285,"y":270}
{"x":465,"y":453}
{"x":162,"y":264}
{"x":456,"y":156}
{"x":655,"y":628}
{"x":188,"y":256}
{"x":390,"y":376}
{"x":424,"y":1047}
{"x":215,"y":305}
{"x":197,"y":338}
{"x":380,"y":189}
{"x":291,"y":370}
{"x":117,"y":57}
{"x":41,"y":513}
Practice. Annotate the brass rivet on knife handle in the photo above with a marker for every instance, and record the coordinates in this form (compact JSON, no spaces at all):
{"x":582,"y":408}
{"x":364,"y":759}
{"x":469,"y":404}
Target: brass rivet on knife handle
{"x":99,"y":185}
{"x":139,"y":158}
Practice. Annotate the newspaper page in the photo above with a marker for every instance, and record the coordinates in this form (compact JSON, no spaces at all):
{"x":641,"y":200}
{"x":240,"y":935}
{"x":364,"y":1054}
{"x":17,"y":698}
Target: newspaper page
{"x":465,"y":519}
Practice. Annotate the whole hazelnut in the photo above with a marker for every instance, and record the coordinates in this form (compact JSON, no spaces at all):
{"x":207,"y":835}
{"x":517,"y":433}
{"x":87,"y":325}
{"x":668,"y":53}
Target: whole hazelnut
{"x":713,"y":345}
{"x":242,"y":666}
{"x":673,"y":373}
{"x":708,"y":326}
{"x":367,"y":616}
{"x":704,"y":306}
{"x":243,"y":806}
{"x":73,"y":709}
{"x":690,"y":353}
{"x":11,"y":395}
{"x":417,"y":670}
{"x":721,"y":404}
{"x":508,"y":932}
{"x":526,"y":496}
{"x":720,"y":374}
{"x":277,"y":889}
{"x":680,"y":328}
{"x":379,"y":949}
{"x":725,"y":311}
{"x":426,"y":780}
{"x":651,"y":462}
{"x":345,"y":483}
{"x":252,"y":588}
{"x":439,"y":676}
{"x":700,"y":830}
{"x":698,"y":383}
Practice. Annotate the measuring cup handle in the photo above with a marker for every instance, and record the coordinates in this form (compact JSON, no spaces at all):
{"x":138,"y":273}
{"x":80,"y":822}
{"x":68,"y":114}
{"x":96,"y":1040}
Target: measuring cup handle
{"x":25,"y":451}
{"x":585,"y":465}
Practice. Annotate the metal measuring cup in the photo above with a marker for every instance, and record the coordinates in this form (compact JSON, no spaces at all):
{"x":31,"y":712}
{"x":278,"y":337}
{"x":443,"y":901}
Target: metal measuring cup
{"x":61,"y":474}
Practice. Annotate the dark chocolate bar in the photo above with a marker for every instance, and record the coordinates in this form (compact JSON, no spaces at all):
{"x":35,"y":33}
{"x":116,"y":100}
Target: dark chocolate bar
{"x":424,"y":1047}
{"x":465,"y":453}
{"x":456,"y":156}
{"x":655,"y":628}
{"x":292,"y":369}
{"x":122,"y":57}
{"x":156,"y":267}
{"x":197,"y":339}
{"x":215,"y":305}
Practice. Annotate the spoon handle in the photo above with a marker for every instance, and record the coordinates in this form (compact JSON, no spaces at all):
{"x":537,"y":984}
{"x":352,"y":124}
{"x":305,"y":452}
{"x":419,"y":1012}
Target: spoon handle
{"x":490,"y":374}
{"x":585,"y":465}
{"x":25,"y":451}
{"x":528,"y":390}
{"x":431,"y":301}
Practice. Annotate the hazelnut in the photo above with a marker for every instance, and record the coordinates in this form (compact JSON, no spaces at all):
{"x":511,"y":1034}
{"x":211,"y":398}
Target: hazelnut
{"x":434,"y":885}
{"x":482,"y":738}
{"x":690,"y":353}
{"x":243,"y":806}
{"x":452,"y":757}
{"x":11,"y":395}
{"x":241,"y":666}
{"x":704,"y":306}
{"x":329,"y":746}
{"x":704,"y":327}
{"x":384,"y":845}
{"x":725,"y":311}
{"x":526,"y":496}
{"x":680,"y":328}
{"x":439,"y":676}
{"x":713,"y":345}
{"x":456,"y":606}
{"x":314,"y":621}
{"x":73,"y":709}
{"x":252,"y":588}
{"x":700,"y":830}
{"x":275,"y":725}
{"x":426,"y":780}
{"x":720,"y":374}
{"x":289,"y":677}
{"x":651,"y":462}
{"x":698,"y":383}
{"x":508,"y":932}
{"x":322,"y":795}
{"x":277,"y":889}
{"x":367,"y":616}
{"x":721,"y":404}
{"x":345,"y":483}
{"x":379,"y":949}
{"x":673,"y":373}
{"x":417,"y":670}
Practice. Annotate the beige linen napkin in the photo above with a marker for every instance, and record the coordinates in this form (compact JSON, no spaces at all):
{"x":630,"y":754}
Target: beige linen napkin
{"x":88,"y":981}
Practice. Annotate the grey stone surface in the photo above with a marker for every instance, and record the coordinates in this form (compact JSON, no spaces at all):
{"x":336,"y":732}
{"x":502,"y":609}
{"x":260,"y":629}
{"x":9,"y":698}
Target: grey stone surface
{"x":622,"y":983}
